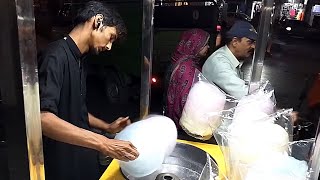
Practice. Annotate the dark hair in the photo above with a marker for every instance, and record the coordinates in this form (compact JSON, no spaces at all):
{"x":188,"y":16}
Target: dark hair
{"x":229,"y":39}
{"x":111,"y":17}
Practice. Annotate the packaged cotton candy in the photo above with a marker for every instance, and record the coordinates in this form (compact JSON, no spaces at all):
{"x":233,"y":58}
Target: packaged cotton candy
{"x":277,"y":166}
{"x":257,"y":105}
{"x":203,"y":98}
{"x":155,"y":138}
{"x":251,"y":142}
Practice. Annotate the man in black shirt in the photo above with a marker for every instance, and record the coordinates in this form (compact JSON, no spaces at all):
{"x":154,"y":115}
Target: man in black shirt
{"x":70,"y":148}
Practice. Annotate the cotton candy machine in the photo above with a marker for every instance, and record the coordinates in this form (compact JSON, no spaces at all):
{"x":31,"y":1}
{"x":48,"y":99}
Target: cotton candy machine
{"x":186,"y":162}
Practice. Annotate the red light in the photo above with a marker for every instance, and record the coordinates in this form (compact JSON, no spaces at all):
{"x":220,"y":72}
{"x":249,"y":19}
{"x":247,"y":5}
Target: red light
{"x":154,"y":80}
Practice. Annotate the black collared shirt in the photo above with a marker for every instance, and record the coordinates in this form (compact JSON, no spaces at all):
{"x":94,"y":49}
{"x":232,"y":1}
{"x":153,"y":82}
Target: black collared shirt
{"x":62,"y":81}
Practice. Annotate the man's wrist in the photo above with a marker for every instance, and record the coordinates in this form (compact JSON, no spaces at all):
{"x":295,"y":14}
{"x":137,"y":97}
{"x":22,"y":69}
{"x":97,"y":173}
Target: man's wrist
{"x":99,"y":145}
{"x":106,"y":127}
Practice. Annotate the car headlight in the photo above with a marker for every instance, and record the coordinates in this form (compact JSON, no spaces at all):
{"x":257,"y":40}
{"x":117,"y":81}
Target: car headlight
{"x":288,"y":28}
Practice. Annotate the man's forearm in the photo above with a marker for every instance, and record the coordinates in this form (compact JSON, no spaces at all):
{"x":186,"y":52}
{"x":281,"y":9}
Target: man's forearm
{"x":98,"y":123}
{"x":60,"y":130}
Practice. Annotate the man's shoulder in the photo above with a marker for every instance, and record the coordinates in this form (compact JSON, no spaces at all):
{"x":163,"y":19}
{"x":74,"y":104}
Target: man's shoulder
{"x":54,"y":49}
{"x":57,"y":46}
{"x":217,"y":58}
{"x":220,"y":54}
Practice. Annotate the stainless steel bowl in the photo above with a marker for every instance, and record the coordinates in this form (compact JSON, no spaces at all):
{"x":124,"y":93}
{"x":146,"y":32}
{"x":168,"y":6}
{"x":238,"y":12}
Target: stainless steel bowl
{"x":186,"y":162}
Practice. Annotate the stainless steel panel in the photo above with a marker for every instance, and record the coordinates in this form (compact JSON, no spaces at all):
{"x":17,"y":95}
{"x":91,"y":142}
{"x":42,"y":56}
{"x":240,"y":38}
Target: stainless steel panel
{"x":261,"y":44}
{"x":19,"y":81}
{"x":147,"y":47}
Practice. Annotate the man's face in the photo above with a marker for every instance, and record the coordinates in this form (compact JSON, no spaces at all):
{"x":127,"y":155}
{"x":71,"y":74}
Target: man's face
{"x":102,"y":39}
{"x":244,"y":47}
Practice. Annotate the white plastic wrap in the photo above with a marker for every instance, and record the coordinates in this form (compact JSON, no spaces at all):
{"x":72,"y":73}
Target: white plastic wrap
{"x":302,"y":149}
{"x":314,"y":163}
{"x":204,"y":97}
{"x":155,"y":138}
{"x":210,"y":170}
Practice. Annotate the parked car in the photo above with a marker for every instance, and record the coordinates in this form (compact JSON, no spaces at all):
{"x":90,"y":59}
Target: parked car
{"x":298,"y":29}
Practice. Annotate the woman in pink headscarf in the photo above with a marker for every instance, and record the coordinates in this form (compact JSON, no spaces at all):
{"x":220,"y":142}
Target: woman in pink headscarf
{"x":185,"y":60}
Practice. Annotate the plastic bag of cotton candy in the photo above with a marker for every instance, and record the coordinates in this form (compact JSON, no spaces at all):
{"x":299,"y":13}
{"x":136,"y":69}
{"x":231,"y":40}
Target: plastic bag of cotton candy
{"x":250,"y":142}
{"x":155,"y":138}
{"x":245,"y":143}
{"x":204,"y":97}
{"x":277,"y":166}
{"x":257,"y":105}
{"x":283,"y":166}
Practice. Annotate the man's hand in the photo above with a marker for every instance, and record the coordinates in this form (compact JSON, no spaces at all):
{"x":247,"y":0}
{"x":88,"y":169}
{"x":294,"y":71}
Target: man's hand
{"x":118,"y":125}
{"x":121,"y":150}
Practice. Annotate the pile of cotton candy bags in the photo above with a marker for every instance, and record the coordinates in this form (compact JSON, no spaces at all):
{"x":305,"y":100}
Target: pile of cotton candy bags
{"x":254,"y":140}
{"x":204,"y":97}
{"x":155,"y":138}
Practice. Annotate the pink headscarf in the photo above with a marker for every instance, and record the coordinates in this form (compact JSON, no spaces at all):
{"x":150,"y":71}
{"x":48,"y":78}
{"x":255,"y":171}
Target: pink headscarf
{"x":186,"y":59}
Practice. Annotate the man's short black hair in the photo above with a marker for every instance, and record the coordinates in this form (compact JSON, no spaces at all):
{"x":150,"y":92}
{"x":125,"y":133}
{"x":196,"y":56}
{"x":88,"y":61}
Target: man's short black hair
{"x":229,"y":40}
{"x":111,"y":17}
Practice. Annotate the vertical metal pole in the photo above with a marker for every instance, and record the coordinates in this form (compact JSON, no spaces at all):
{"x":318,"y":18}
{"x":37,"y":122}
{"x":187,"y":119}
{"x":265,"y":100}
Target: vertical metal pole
{"x":314,"y":162}
{"x":147,"y":47}
{"x":29,"y":70}
{"x":19,"y":81}
{"x":259,"y":55}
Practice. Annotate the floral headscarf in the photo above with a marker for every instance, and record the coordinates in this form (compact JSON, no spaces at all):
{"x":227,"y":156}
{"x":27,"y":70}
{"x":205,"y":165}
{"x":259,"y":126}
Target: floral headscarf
{"x":186,"y":61}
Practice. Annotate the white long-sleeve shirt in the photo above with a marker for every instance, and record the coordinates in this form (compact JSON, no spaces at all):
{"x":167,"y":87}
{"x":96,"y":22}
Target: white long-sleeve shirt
{"x":223,"y":69}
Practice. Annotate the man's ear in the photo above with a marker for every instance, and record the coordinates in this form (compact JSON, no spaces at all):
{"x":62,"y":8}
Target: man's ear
{"x":234,"y":41}
{"x":98,"y":21}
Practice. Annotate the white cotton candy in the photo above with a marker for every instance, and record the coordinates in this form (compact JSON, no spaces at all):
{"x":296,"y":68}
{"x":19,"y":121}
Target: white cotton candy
{"x":203,"y":98}
{"x":250,"y":142}
{"x":254,"y":107}
{"x":277,"y":166}
{"x":249,"y":117}
{"x":155,"y":138}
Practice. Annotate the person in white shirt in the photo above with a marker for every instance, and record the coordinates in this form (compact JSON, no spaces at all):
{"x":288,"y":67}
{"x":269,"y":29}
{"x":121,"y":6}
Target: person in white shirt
{"x":223,"y":66}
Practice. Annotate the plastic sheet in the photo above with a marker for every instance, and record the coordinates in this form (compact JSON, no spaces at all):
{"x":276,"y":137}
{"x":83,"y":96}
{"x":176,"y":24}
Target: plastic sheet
{"x":155,"y":138}
{"x":301,"y":150}
{"x":210,"y":170}
{"x":314,"y":163}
